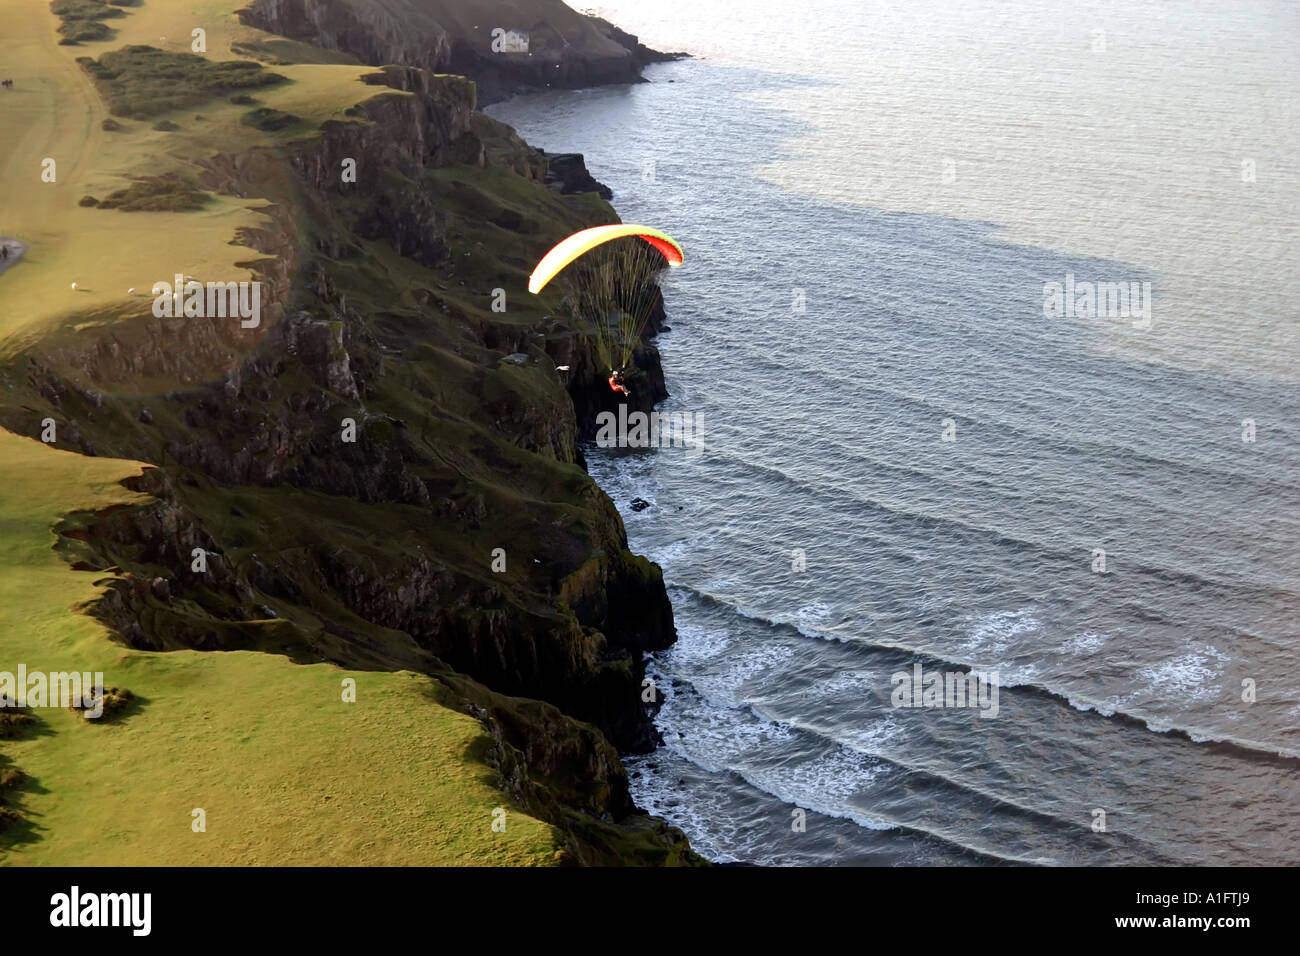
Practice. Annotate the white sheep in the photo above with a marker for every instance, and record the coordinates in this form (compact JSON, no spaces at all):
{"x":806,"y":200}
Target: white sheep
{"x":74,"y":287}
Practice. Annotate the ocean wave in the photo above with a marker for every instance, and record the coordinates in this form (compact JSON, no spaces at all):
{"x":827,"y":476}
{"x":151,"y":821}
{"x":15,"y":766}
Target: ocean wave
{"x":1201,"y":580}
{"x":994,"y":632}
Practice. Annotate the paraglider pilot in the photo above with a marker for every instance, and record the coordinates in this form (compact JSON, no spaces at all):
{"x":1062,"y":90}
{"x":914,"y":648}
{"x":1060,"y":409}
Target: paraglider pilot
{"x":616,"y":382}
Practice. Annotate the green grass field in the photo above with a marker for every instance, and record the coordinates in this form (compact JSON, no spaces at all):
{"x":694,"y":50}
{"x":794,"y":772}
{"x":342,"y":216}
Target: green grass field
{"x":54,"y":112}
{"x":286,"y":771}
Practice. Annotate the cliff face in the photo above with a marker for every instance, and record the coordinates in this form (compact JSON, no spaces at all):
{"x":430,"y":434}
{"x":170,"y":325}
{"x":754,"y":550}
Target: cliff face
{"x":564,"y":48}
{"x":457,"y":534}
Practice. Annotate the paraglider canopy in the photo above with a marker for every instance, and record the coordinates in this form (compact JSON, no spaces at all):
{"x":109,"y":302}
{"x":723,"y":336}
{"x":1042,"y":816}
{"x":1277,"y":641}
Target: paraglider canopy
{"x":566,"y":250}
{"x":615,"y":280}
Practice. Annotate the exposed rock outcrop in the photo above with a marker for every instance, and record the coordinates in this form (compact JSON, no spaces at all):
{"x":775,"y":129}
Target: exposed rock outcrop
{"x":514,"y":47}
{"x":568,"y":173}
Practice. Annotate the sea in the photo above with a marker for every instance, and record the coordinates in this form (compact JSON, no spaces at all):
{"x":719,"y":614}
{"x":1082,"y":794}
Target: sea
{"x":988,"y":323}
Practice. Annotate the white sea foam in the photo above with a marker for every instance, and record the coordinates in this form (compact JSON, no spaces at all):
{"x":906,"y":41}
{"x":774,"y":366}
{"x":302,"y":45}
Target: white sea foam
{"x":1088,"y":642}
{"x":845,"y":682}
{"x":1189,"y":677}
{"x":991,"y":638}
{"x":1084,"y":705}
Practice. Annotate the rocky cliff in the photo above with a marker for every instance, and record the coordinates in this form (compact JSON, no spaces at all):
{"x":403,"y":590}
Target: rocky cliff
{"x":507,"y":47}
{"x":385,"y":474}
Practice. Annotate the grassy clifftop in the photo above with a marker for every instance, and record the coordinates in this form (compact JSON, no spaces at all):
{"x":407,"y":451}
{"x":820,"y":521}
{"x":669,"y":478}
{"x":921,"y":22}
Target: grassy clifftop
{"x":285,"y":771}
{"x":351,"y":469}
